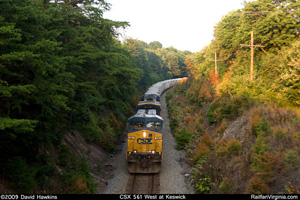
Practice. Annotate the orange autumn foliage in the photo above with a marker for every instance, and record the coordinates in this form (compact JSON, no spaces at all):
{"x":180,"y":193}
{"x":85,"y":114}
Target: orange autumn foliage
{"x":213,"y":77}
{"x":80,"y":186}
{"x":257,"y":186}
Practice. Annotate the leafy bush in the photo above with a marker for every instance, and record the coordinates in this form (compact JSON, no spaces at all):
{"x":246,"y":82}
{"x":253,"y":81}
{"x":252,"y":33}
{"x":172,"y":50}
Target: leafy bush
{"x":205,"y":146}
{"x":260,"y":126}
{"x":261,"y":146}
{"x":107,"y":139}
{"x":292,"y":189}
{"x":222,"y":152}
{"x":221,"y":129}
{"x":91,"y":132}
{"x":199,"y":92}
{"x":182,"y":137}
{"x":116,"y":125}
{"x":21,"y":174}
{"x":77,"y":178}
{"x":227,"y":187}
{"x":234,"y":146}
{"x":226,"y":107}
{"x":64,"y":155}
{"x":174,"y":123}
{"x":207,"y":140}
{"x":257,"y":186}
{"x":292,"y":158}
{"x":279,"y":134}
{"x":44,"y":174}
{"x":203,"y":151}
{"x":203,"y":185}
{"x":268,"y":165}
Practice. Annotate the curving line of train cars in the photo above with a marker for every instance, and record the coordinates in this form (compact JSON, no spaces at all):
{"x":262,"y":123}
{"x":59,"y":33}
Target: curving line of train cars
{"x":144,"y":149}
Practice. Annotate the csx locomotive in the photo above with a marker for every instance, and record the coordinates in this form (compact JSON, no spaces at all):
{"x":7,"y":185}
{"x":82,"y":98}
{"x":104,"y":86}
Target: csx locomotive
{"x":145,"y":131}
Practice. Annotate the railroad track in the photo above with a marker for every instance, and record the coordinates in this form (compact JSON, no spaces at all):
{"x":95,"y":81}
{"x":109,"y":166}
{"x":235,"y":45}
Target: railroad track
{"x":143,"y":184}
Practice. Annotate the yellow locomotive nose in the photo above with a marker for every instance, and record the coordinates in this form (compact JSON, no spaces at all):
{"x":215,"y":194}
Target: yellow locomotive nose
{"x":144,"y":141}
{"x":144,"y":151}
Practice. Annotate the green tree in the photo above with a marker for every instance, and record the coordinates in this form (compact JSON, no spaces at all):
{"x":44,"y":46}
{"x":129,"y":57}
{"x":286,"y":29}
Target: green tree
{"x":155,"y":45}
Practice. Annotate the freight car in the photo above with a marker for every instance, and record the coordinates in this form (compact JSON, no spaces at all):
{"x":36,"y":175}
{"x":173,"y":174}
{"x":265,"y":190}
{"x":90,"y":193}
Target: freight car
{"x":145,"y":131}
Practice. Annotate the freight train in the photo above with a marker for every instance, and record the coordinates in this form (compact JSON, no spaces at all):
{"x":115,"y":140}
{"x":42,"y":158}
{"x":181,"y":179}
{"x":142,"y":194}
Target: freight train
{"x":145,"y":131}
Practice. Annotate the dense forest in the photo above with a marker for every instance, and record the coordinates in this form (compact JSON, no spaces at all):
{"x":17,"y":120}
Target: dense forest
{"x":243,"y":136}
{"x":61,"y":69}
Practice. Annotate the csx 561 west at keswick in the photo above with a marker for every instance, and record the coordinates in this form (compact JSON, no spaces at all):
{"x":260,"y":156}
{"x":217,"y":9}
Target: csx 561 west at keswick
{"x":145,"y":136}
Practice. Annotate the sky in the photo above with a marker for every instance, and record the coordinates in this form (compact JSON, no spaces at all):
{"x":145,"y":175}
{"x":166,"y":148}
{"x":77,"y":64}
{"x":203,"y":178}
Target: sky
{"x":183,"y":24}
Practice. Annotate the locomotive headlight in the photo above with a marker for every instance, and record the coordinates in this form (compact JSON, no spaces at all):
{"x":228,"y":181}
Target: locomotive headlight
{"x":153,"y":151}
{"x":157,"y":138}
{"x":131,"y":137}
{"x":145,"y":134}
{"x":134,"y":151}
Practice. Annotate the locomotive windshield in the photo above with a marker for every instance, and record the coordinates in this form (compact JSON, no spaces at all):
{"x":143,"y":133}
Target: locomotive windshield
{"x":137,"y":125}
{"x":156,"y":126}
{"x":147,"y":123}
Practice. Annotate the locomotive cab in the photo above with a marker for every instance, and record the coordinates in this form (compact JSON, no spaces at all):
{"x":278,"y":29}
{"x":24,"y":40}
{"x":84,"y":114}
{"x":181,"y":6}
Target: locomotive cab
{"x":144,"y":150}
{"x":148,"y":102}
